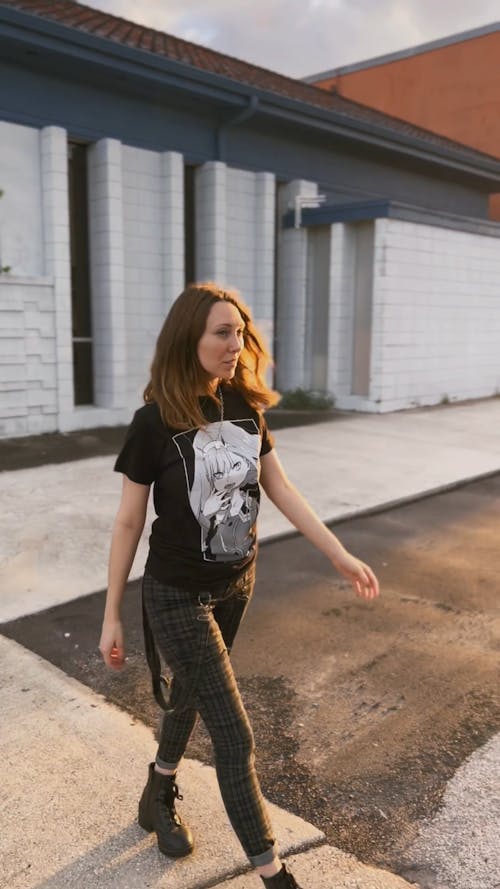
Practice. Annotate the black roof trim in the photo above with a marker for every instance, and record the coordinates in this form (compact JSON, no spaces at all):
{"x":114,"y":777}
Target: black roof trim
{"x":363,"y":211}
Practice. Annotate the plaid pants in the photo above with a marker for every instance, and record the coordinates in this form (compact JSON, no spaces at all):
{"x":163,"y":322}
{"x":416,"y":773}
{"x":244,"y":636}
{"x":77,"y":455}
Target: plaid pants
{"x":194,"y":635}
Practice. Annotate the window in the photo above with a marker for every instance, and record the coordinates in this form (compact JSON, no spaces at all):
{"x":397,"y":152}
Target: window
{"x":81,"y":311}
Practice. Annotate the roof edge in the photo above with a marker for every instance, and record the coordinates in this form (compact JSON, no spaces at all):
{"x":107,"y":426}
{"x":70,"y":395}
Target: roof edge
{"x":370,"y":210}
{"x":387,"y":58}
{"x":230,"y":91}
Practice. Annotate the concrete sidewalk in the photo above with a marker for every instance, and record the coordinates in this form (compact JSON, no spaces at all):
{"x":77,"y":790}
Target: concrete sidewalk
{"x":69,"y":807}
{"x":56,"y":519}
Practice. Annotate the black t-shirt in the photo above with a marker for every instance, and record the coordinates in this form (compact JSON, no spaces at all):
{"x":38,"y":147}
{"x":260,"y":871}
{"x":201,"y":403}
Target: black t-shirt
{"x":206,"y":490}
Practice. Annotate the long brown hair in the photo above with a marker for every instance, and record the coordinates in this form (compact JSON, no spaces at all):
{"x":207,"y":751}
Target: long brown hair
{"x":177,"y":377}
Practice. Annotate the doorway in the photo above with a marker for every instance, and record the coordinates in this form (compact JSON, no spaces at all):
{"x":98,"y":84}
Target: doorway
{"x":317,"y":308}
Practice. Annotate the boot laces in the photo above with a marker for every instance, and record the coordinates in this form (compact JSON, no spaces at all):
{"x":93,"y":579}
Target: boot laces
{"x":176,"y":793}
{"x":168,"y":792}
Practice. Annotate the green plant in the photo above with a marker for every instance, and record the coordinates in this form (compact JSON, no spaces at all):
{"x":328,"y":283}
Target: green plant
{"x":305,"y":400}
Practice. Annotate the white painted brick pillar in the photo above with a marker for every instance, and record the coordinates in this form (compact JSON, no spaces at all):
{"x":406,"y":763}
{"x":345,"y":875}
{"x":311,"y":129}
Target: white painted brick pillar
{"x":264,"y":231}
{"x":172,"y":175}
{"x":292,"y":293}
{"x":107,"y":273}
{"x":211,"y":221}
{"x":57,"y":259}
{"x":379,"y":300}
{"x":342,"y":271}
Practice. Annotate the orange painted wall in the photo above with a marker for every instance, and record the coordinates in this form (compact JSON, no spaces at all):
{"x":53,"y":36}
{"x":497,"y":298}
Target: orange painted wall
{"x":454,"y":91}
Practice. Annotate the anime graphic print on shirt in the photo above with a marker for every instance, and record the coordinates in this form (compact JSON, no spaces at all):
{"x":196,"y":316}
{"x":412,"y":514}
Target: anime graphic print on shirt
{"x":221,"y":463}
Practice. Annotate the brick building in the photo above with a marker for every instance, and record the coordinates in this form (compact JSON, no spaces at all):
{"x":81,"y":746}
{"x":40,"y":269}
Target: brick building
{"x":132,"y":162}
{"x":450,"y":86}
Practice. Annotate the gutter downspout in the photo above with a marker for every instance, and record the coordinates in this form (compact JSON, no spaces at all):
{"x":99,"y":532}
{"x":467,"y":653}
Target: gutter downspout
{"x":247,"y":113}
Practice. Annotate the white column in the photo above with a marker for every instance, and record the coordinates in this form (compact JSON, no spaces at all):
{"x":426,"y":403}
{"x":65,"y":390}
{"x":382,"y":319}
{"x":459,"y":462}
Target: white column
{"x":172,"y":174}
{"x":342,"y":283}
{"x":264,"y":232}
{"x":292,"y":292}
{"x":211,"y":222}
{"x":107,"y":273}
{"x":381,"y":303}
{"x":57,"y":259}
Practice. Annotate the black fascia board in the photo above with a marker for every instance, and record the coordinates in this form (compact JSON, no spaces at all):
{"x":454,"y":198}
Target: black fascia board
{"x":408,"y":147}
{"x":38,"y":32}
{"x":327,"y":214}
{"x":365,"y":211}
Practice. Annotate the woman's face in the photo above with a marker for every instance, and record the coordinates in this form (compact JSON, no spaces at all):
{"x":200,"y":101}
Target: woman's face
{"x":221,"y":343}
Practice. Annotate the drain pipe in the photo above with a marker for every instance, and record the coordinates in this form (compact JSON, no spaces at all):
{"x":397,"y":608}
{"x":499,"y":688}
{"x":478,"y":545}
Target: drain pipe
{"x":247,"y":112}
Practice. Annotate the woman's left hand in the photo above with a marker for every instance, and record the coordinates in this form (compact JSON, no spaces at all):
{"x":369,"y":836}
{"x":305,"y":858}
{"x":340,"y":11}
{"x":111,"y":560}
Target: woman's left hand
{"x":359,"y":574}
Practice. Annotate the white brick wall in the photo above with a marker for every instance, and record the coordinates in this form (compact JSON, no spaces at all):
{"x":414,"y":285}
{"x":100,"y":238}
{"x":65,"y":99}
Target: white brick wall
{"x":241,"y":232}
{"x":437,"y":315}
{"x":153,"y":226}
{"x":21,"y":224}
{"x":341,"y":315}
{"x":436,"y":292}
{"x":250,"y":213}
{"x":172,"y":189}
{"x":143,"y":261}
{"x":264,"y":255}
{"x":136,"y":223}
{"x":28,"y":371}
{"x":291,"y":295}
{"x":56,"y":248}
{"x":107,"y":273}
{"x":211,"y":222}
{"x":235,"y":224}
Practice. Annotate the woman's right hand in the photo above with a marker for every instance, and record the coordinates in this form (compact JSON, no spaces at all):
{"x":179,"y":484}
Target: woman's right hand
{"x":111,"y":644}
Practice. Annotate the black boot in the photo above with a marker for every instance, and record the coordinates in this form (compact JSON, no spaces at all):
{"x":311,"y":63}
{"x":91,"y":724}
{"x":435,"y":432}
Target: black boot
{"x":282,"y":880}
{"x":157,"y":812}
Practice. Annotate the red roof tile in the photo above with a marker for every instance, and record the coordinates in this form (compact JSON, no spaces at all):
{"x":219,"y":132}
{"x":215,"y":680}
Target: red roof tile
{"x":112,"y":27}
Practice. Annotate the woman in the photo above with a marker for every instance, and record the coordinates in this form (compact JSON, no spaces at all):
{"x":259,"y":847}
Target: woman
{"x":202,"y":440}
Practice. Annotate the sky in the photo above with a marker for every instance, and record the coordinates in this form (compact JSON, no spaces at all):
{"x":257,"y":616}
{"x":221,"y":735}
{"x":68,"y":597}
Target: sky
{"x":302,"y":37}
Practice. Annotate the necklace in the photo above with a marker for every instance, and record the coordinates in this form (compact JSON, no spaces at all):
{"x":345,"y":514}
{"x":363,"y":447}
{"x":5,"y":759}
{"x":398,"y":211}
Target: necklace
{"x":221,"y":399}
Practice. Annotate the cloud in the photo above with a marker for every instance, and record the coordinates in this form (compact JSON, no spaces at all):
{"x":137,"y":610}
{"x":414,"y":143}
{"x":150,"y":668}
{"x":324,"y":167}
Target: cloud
{"x":299,"y":37}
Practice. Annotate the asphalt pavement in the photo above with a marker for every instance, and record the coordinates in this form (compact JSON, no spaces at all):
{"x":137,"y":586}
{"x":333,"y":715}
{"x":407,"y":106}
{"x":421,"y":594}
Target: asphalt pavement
{"x":69,"y":803}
